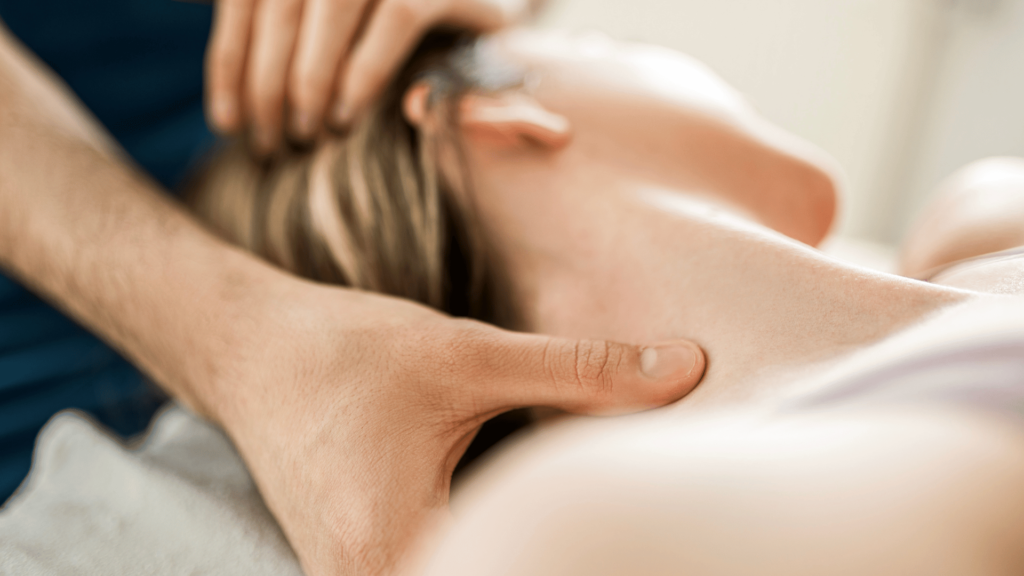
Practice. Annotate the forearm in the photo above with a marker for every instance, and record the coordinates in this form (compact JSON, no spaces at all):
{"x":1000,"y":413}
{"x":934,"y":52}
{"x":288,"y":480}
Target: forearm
{"x":102,"y":242}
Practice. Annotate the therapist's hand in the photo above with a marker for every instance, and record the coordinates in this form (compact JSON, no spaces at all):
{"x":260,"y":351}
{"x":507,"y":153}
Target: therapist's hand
{"x":357,"y":408}
{"x":350,"y":409}
{"x":277,"y":65}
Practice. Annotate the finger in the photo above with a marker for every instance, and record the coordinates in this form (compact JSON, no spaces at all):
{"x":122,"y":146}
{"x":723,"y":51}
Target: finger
{"x":328,"y":27}
{"x":393,"y":30}
{"x":585,"y":376}
{"x":225,"y":62}
{"x":483,"y":16}
{"x":275,"y":27}
{"x":392,"y":35}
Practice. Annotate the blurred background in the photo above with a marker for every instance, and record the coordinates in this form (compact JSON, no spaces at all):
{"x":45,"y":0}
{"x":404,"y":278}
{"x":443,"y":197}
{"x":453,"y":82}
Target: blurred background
{"x":900,"y":92}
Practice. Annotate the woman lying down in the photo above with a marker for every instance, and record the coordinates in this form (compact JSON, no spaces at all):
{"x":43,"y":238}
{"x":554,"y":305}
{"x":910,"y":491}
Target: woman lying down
{"x":849,"y":422}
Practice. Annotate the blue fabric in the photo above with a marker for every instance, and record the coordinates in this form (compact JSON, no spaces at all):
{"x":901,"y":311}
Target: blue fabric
{"x":137,"y":64}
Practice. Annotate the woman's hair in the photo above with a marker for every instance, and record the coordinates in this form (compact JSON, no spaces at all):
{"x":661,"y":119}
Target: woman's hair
{"x":370,"y":209}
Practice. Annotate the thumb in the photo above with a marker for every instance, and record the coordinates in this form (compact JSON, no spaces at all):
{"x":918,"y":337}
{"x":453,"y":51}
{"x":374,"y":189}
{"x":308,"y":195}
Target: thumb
{"x":587,"y":376}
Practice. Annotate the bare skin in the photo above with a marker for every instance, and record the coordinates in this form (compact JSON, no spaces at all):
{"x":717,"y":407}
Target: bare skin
{"x":664,"y":219}
{"x":872,"y":491}
{"x":350,"y":409}
{"x":979,"y":211}
{"x":279,"y":67}
{"x":663,"y":191}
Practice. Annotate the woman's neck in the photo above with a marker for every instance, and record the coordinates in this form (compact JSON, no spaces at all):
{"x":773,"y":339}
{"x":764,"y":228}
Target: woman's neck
{"x":645,"y":264}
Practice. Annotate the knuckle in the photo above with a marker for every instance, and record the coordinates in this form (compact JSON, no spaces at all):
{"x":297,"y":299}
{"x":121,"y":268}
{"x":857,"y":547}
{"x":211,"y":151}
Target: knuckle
{"x":595,"y":367}
{"x":585,"y":366}
{"x":308,"y":85}
{"x":467,"y":347}
{"x":448,"y":364}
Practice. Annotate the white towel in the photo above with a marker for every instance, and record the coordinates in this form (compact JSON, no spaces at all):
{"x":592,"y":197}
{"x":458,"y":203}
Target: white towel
{"x":181,"y":503}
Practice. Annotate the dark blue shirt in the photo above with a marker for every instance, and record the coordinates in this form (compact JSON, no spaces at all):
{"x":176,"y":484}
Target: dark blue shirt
{"x":137,"y":64}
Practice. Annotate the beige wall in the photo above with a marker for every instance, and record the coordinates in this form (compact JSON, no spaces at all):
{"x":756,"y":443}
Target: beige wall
{"x":976,"y":106}
{"x":856,"y":77}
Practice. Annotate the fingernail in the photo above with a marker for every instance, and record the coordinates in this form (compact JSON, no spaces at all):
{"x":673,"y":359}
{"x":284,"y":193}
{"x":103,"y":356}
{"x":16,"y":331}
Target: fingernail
{"x":664,"y":360}
{"x":342,"y":114}
{"x":302,"y":125}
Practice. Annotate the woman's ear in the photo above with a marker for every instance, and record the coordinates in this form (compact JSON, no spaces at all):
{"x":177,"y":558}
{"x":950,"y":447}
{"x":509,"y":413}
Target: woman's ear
{"x":414,"y":104}
{"x":505,"y":119}
{"x":512,"y":120}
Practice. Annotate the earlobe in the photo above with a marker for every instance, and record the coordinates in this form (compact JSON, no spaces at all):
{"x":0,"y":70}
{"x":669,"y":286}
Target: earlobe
{"x":414,"y":104}
{"x":512,"y":120}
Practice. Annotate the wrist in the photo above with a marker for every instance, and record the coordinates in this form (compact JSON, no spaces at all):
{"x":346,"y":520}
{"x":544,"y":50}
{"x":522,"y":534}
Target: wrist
{"x":237,"y":338}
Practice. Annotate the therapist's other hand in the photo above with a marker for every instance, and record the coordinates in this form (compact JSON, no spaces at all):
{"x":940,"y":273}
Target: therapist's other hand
{"x":352,"y":423}
{"x":277,"y":64}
